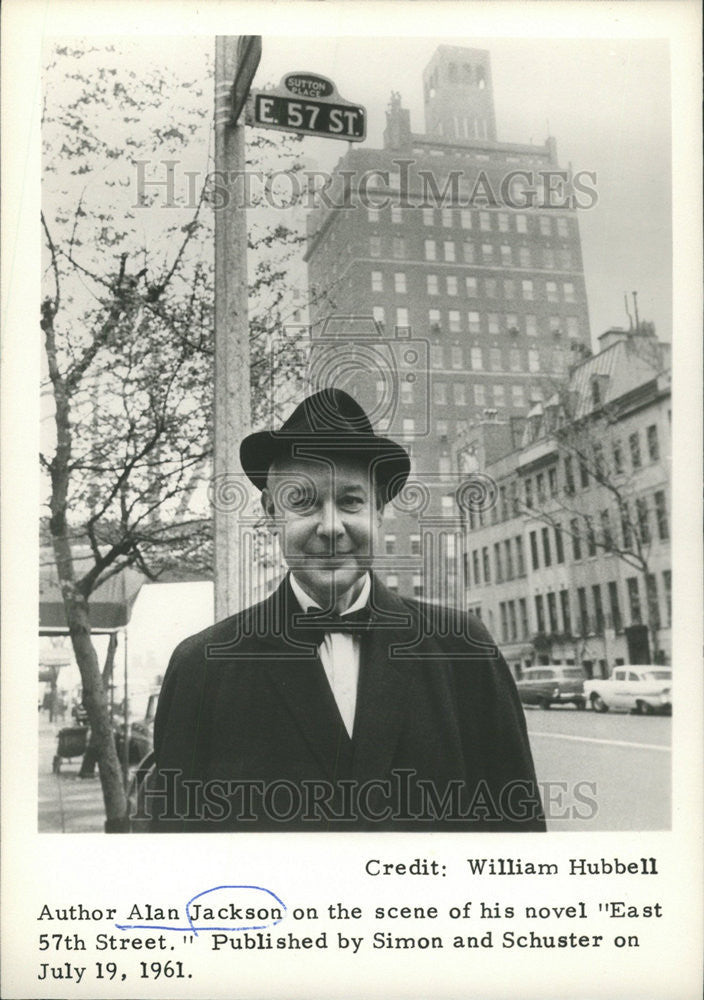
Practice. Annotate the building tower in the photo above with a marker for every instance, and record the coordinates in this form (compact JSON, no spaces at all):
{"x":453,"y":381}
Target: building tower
{"x":445,"y":238}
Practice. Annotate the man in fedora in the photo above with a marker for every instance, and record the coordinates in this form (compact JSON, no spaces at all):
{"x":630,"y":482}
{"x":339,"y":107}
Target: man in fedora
{"x":336,"y":704}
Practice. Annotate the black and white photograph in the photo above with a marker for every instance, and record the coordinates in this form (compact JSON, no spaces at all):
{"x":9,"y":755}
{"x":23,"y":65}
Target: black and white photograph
{"x":361,"y":373}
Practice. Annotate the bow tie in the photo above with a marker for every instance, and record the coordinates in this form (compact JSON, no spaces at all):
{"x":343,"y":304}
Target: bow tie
{"x":312,"y":626}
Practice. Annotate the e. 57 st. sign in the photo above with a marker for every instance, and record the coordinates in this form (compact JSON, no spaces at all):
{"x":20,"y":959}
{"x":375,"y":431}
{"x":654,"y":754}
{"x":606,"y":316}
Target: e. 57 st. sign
{"x":308,"y":105}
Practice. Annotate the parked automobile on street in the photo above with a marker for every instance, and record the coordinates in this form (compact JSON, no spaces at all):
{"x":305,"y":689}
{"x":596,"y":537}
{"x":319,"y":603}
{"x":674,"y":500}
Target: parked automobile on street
{"x":643,"y":689}
{"x":554,"y":684}
{"x":141,"y":740}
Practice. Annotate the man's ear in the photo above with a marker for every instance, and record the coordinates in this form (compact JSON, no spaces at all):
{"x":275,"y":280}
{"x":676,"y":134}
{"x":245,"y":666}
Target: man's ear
{"x":267,"y":502}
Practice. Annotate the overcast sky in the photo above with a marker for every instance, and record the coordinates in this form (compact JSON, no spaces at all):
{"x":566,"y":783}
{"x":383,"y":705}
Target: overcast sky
{"x":607,"y":103}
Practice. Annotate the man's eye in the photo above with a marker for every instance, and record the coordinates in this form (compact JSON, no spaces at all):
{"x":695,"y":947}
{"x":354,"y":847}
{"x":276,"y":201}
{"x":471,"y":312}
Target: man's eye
{"x":352,"y":502}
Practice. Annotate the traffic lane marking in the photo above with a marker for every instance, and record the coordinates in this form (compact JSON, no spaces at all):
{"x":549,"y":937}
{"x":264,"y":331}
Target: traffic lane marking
{"x":592,"y":739}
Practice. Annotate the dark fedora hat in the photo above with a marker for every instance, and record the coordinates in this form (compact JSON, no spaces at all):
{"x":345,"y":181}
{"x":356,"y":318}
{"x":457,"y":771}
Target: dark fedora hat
{"x":331,"y":424}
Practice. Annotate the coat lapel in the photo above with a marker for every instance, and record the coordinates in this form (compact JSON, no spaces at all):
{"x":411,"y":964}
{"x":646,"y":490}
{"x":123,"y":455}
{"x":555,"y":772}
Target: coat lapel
{"x":384,"y":685}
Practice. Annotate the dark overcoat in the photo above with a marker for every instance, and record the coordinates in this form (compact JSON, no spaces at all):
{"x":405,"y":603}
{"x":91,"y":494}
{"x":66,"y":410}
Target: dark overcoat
{"x":248,"y":735}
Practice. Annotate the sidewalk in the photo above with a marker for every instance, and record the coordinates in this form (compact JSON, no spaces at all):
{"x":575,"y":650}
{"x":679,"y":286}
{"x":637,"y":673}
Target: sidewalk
{"x":67,"y":803}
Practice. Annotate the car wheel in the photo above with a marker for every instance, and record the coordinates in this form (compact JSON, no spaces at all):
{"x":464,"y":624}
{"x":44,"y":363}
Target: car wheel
{"x":581,"y":704}
{"x":598,"y":703}
{"x":643,"y":708}
{"x":544,"y":703}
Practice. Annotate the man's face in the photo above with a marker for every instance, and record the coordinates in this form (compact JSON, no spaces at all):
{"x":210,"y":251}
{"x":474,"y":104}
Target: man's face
{"x":327,"y":519}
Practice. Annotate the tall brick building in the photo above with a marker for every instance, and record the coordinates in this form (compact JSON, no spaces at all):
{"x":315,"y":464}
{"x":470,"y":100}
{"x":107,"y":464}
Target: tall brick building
{"x":464,"y":246}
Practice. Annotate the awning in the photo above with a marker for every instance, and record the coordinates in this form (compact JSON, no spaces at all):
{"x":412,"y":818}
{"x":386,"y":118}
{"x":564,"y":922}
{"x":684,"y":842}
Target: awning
{"x":110,"y":604}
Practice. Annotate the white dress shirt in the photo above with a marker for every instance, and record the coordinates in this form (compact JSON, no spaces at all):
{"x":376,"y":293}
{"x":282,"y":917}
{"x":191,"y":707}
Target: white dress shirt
{"x":339,"y":653}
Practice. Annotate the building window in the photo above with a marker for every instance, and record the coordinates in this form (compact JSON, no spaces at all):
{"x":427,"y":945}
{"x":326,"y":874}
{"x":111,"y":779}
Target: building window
{"x":513,"y":630}
{"x":406,"y":392}
{"x":373,"y":215}
{"x":568,"y":291}
{"x":520,"y":560}
{"x":531,"y":325}
{"x":661,"y":516}
{"x":572,"y":326}
{"x":466,"y":218}
{"x":551,"y":290}
{"x":440,"y":393}
{"x":493,"y":323}
{"x":458,"y":394}
{"x":400,"y":282}
{"x":583,"y":610}
{"x":509,"y":288}
{"x":598,"y":609}
{"x":506,"y":255}
{"x":565,"y":260}
{"x":576,"y":539}
{"x":508,"y":559}
{"x":562,"y":227}
{"x":375,"y":246}
{"x":428,"y":216}
{"x":431,"y":282}
{"x":634,"y":600}
{"x":436,"y":355}
{"x":559,"y":546}
{"x":527,"y":289}
{"x":479,"y":395}
{"x":548,"y":258}
{"x":546,"y":547}
{"x":475,"y":568}
{"x":667,"y":584}
{"x":521,"y":224}
{"x":485,"y":564}
{"x":377,"y":281}
{"x":504,"y":621}
{"x":415,"y":545}
{"x":417,"y":586}
{"x":396,"y":213}
{"x":517,"y":396}
{"x":402,"y":316}
{"x":651,"y":587}
{"x":565,"y":609}
{"x":534,"y":550}
{"x":528,"y":485}
{"x":653,"y":444}
{"x":614,"y":606}
{"x":392,"y":583}
{"x":626,"y":524}
{"x":471,"y":284}
{"x":473,"y":321}
{"x":449,"y":248}
{"x":444,"y":466}
{"x":545,"y":225}
{"x":539,"y":612}
{"x":514,"y":360}
{"x":524,"y":256}
{"x":643,"y":517}
{"x":468,"y":252}
{"x":453,"y":317}
{"x":552,"y":480}
{"x":499,"y":395}
{"x":441,"y":428}
{"x":591,"y":537}
{"x":490,"y":288}
{"x":523,"y":611}
{"x":552,"y":612}
{"x":533,"y":360}
{"x":485,"y":221}
{"x":451,"y":284}
{"x":503,"y":222}
{"x":430,"y":249}
{"x":434,"y":319}
{"x":456,"y":356}
{"x":583,"y":475}
{"x":379,"y":315}
{"x":498,"y":567}
{"x":399,"y":246}
{"x":495,"y":359}
{"x":487,"y":253}
{"x":390,"y":545}
{"x":409,"y":426}
{"x":606,"y":532}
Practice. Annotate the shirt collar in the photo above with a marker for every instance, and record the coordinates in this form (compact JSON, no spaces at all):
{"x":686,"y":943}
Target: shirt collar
{"x":307,"y":602}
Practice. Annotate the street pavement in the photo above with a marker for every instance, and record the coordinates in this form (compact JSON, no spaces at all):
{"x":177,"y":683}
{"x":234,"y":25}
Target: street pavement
{"x":67,"y":803}
{"x":602,"y":772}
{"x":597,"y":772}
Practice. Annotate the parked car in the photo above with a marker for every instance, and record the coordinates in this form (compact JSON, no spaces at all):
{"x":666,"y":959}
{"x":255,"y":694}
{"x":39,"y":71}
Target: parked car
{"x":141,"y":733}
{"x":643,"y":689}
{"x":555,"y":684}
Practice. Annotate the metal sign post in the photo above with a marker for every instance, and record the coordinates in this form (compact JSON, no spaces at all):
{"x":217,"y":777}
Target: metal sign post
{"x":236,"y":60}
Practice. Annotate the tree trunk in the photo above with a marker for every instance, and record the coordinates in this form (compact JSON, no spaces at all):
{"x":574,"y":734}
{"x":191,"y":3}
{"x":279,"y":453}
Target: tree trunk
{"x":90,"y":757}
{"x":94,"y":697}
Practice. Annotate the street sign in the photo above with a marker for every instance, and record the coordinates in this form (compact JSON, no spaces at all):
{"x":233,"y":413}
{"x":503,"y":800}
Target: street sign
{"x":249,"y":52}
{"x":307,"y":104}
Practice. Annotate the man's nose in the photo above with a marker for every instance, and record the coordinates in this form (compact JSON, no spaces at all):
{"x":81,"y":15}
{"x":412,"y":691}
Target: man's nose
{"x":330,"y":524}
